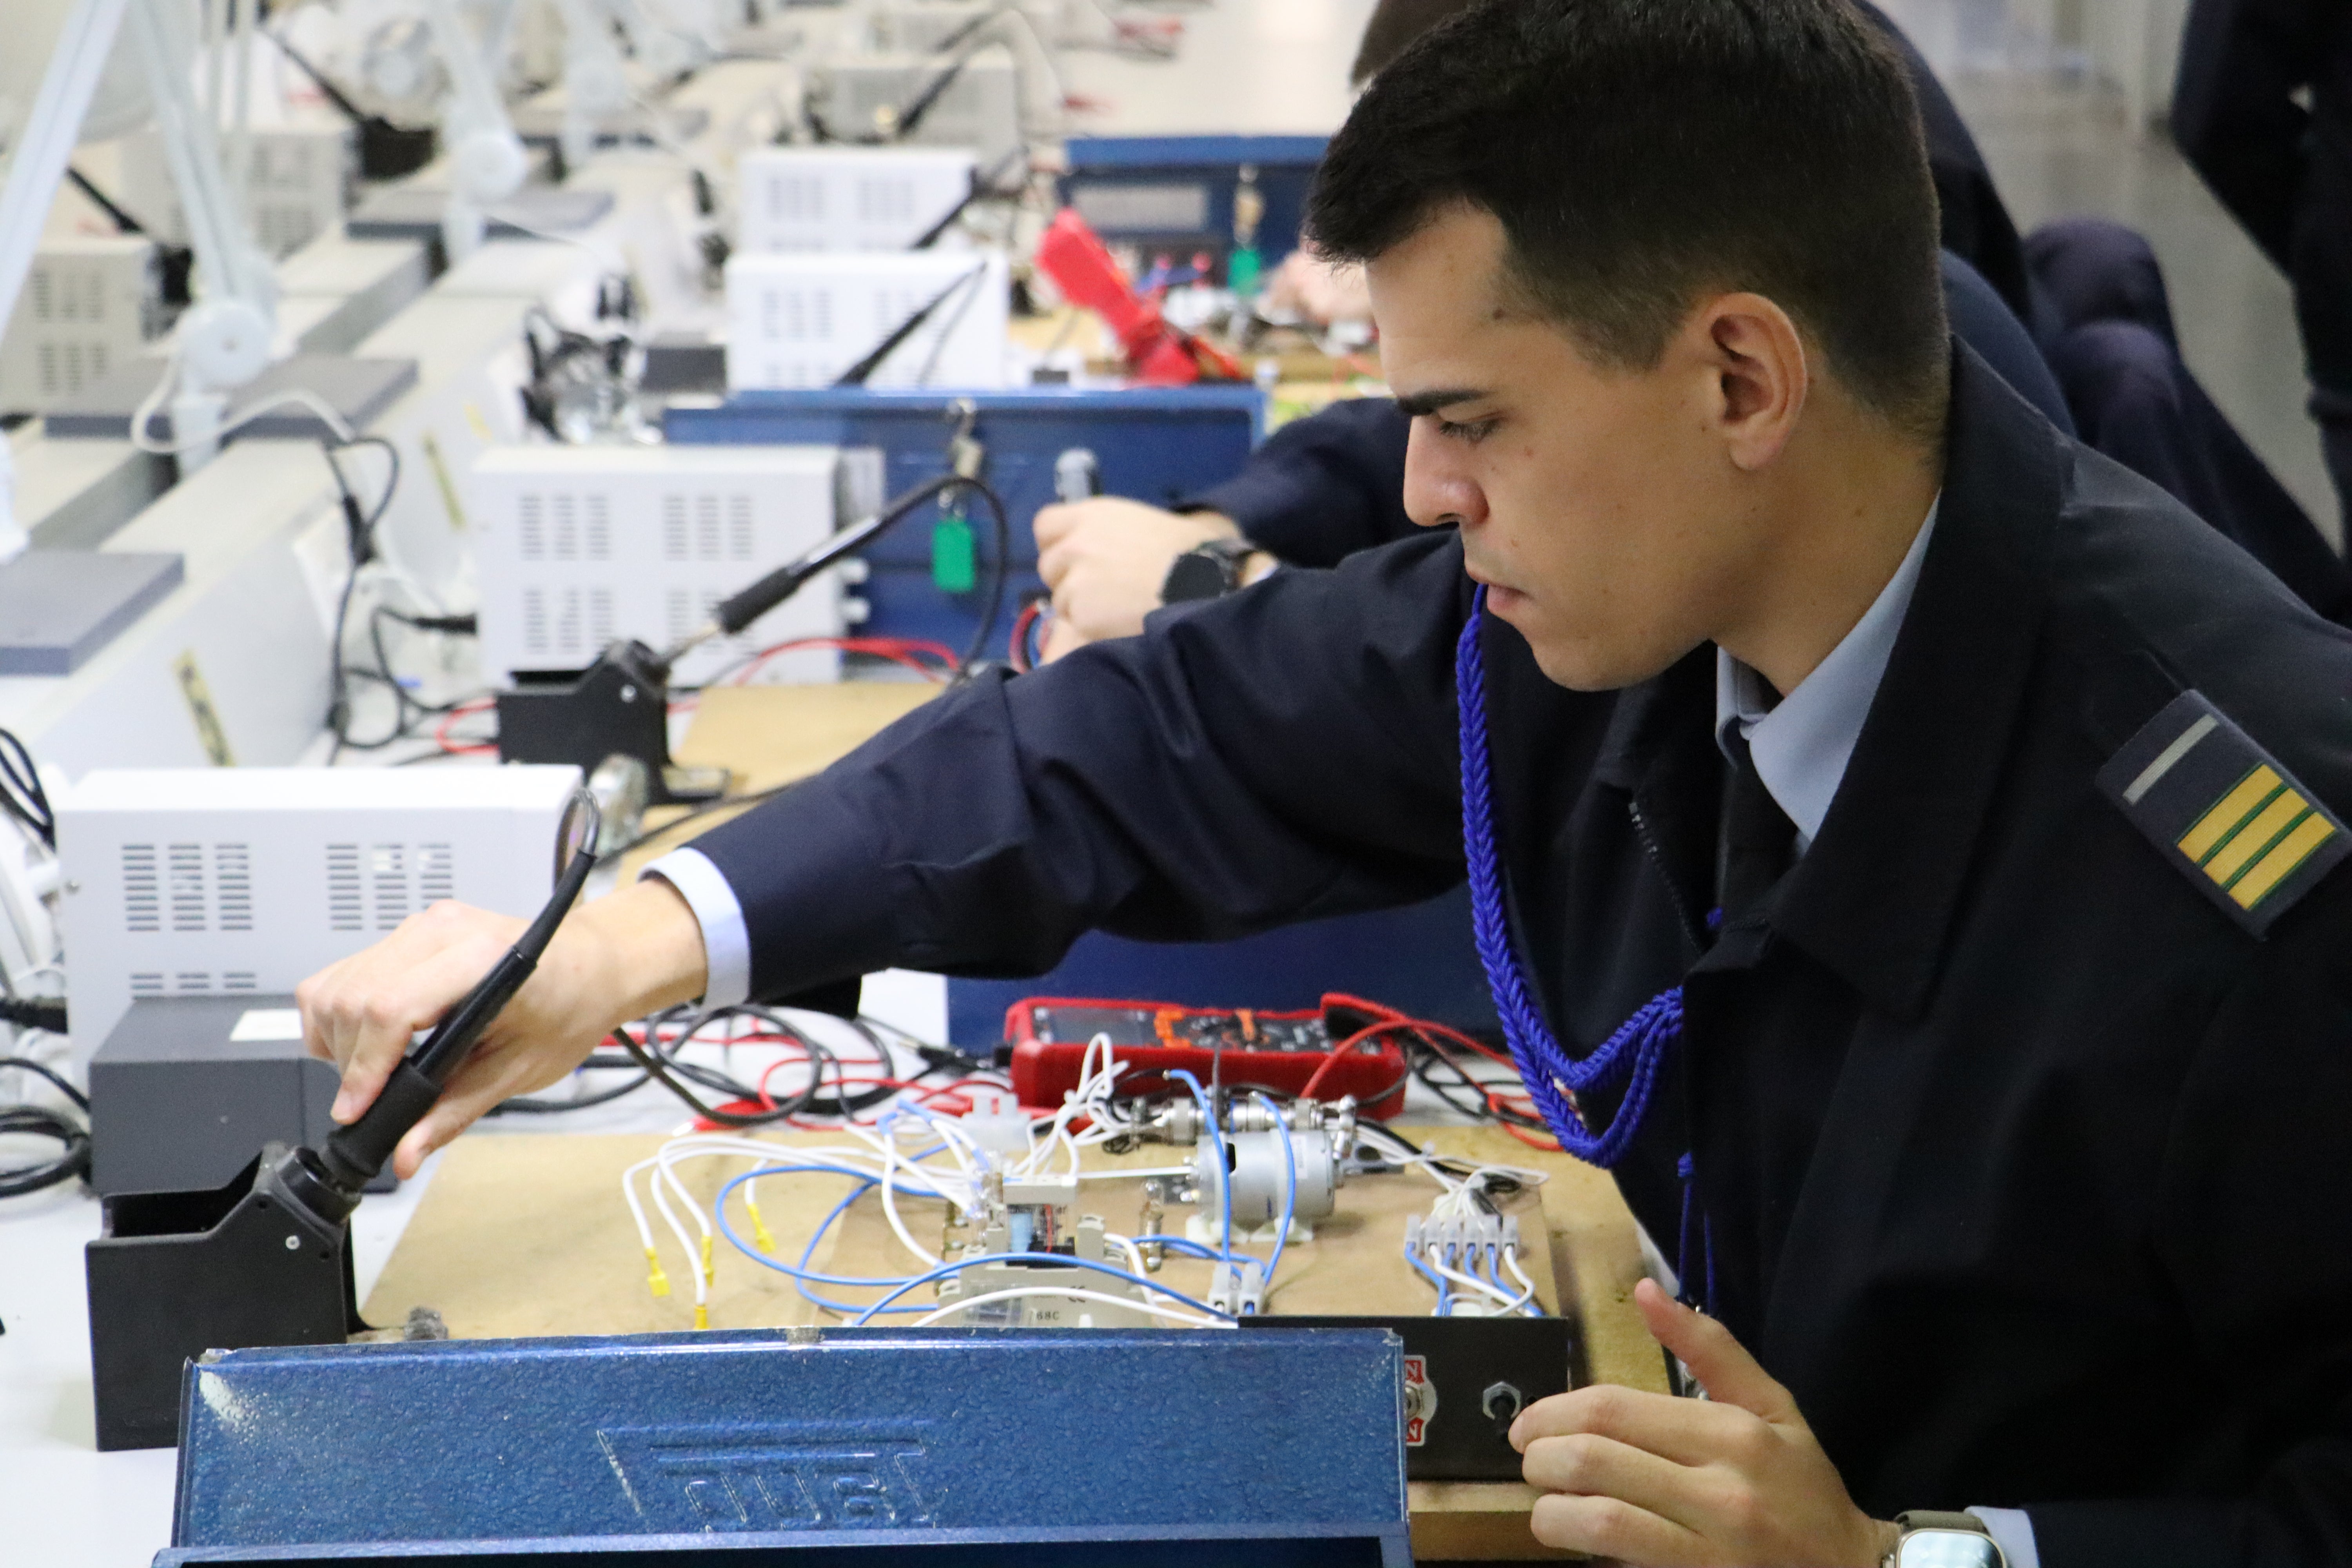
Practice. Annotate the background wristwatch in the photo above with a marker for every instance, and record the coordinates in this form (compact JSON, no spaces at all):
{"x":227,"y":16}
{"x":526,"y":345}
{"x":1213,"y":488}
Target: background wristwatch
{"x":1207,"y":570}
{"x":1944,"y":1541}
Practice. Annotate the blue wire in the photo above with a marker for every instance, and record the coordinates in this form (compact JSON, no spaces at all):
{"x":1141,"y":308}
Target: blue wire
{"x":1289,"y":1186}
{"x":1429,"y":1274}
{"x":1060,"y":1260}
{"x":1224,"y":1155}
{"x":764,"y":1260}
{"x":810,"y":1251}
{"x":1183,"y":1244}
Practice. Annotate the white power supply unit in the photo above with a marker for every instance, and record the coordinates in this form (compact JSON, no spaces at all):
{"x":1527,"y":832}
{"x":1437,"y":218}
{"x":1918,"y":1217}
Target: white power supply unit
{"x":300,"y":182}
{"x":90,"y":304}
{"x":979,"y":108}
{"x":209,"y":881}
{"x":801,"y":320}
{"x":846,"y":198}
{"x":578,"y":546}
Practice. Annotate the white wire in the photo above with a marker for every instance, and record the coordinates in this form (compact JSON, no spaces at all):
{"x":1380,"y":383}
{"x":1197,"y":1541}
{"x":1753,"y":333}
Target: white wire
{"x":244,"y":417}
{"x":1528,"y":1285}
{"x":1438,"y":1264}
{"x":1189,"y":1320}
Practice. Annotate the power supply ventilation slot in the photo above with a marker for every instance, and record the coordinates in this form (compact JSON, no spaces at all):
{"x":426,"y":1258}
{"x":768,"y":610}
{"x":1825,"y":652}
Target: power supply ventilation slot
{"x":192,"y":982}
{"x":705,"y":527}
{"x":739,"y":537}
{"x":798,"y":315}
{"x":567,"y":527}
{"x":885,"y":201}
{"x":232,"y":888}
{"x":436,"y":873}
{"x":600,"y":528}
{"x":531,"y":520}
{"x":147,"y":983}
{"x":44,"y":295}
{"x":142,"y":906}
{"x":388,"y":880}
{"x":345,"y":910}
{"x":795,"y":198}
{"x":185,"y":873}
{"x":674,"y":546}
{"x":240,"y":980}
{"x":534,"y":620}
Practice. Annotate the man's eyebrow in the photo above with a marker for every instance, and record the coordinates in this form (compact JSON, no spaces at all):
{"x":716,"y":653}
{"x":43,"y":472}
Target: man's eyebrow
{"x":1422,"y":403}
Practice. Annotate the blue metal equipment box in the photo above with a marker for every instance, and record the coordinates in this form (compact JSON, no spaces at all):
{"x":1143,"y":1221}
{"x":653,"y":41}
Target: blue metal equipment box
{"x":951,"y":1449}
{"x":1150,"y":444}
{"x":1175,"y":195}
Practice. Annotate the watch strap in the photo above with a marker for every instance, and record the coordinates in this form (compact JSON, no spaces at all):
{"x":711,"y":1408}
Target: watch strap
{"x":1928,"y":1518}
{"x":1210,"y":569}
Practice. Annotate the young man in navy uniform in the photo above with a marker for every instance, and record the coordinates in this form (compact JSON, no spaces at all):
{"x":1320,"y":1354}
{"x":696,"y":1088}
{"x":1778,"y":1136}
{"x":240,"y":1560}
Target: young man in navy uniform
{"x":1329,"y":484}
{"x":1906,"y":845}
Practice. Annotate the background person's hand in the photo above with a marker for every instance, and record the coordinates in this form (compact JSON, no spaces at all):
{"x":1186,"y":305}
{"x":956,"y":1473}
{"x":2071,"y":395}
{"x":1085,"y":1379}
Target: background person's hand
{"x":616,"y":959}
{"x":1735,"y":1480}
{"x":1105,"y":560}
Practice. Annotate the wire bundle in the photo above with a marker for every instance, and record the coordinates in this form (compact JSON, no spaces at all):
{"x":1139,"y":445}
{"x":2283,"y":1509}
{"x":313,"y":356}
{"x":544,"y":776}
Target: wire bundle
{"x":654,"y":1052}
{"x":1465,"y":1242}
{"x":22,"y":795}
{"x":912,"y":1151}
{"x":41,"y":1121}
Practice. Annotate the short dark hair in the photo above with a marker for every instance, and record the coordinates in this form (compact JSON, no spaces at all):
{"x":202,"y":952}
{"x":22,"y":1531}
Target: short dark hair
{"x":1395,"y":23}
{"x":1639,"y":153}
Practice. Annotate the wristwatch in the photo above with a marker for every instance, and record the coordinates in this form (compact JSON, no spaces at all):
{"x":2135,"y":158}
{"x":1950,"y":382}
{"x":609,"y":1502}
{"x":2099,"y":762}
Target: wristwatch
{"x":1943,"y":1541}
{"x":1207,"y":570}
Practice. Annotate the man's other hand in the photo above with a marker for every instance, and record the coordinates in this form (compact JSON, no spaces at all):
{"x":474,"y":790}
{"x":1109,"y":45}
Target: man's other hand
{"x":1737,"y":1479}
{"x":621,"y":957}
{"x":1105,"y":560}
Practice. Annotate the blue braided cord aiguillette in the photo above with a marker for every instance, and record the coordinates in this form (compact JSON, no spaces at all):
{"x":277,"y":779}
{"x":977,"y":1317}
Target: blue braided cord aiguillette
{"x":1635,"y":1055}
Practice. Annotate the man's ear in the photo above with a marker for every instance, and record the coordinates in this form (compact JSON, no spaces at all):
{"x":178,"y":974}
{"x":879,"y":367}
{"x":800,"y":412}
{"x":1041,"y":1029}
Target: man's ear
{"x":1760,"y":376}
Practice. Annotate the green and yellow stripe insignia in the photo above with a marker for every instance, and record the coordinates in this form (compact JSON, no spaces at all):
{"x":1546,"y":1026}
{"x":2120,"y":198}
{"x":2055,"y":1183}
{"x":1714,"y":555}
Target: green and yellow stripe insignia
{"x":2254,"y":838}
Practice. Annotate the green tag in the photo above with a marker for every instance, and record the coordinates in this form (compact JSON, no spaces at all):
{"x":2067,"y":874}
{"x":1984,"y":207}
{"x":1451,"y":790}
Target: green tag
{"x":1242,"y":271}
{"x":954,"y":569}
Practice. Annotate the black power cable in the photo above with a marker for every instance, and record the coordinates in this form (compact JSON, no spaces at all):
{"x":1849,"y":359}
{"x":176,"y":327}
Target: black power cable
{"x":33,"y":1013}
{"x":40,"y":1121}
{"x":859,"y":373}
{"x":21,"y":795}
{"x":359,"y":538}
{"x":659,"y":1066}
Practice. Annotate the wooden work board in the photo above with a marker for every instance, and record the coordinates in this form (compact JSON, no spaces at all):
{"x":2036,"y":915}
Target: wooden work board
{"x":524,"y":1235}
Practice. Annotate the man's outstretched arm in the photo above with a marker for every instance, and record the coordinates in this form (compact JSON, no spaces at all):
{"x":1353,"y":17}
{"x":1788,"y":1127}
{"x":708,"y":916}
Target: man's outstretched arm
{"x":1284,"y":754}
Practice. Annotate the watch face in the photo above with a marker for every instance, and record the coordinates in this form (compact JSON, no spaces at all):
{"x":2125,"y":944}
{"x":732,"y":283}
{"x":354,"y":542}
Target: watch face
{"x":1193,"y":577}
{"x":1947,"y":1548}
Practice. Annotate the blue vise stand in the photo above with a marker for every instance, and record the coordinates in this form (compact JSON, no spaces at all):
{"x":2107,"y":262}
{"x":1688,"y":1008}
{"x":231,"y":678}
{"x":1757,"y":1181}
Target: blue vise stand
{"x":1156,"y":445}
{"x":818,"y":1448}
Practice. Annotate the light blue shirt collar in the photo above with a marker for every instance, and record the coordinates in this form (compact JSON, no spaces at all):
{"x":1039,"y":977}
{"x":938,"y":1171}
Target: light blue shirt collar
{"x":1801,"y":747}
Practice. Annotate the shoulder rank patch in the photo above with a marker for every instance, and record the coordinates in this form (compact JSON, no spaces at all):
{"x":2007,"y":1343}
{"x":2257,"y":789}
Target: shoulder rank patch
{"x":2224,"y":811}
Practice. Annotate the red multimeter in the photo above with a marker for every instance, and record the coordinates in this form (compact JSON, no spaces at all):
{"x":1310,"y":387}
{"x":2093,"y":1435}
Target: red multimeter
{"x":1289,"y":1052}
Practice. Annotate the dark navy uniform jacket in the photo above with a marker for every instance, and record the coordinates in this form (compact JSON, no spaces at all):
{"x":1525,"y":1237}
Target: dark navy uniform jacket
{"x":2026,"y":1166}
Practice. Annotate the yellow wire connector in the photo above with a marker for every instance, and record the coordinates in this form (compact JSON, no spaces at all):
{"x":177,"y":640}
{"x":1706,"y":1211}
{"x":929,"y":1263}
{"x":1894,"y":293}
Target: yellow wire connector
{"x":708,"y":1277}
{"x":658,"y":1280}
{"x":701,"y":1316}
{"x":759,"y":1237}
